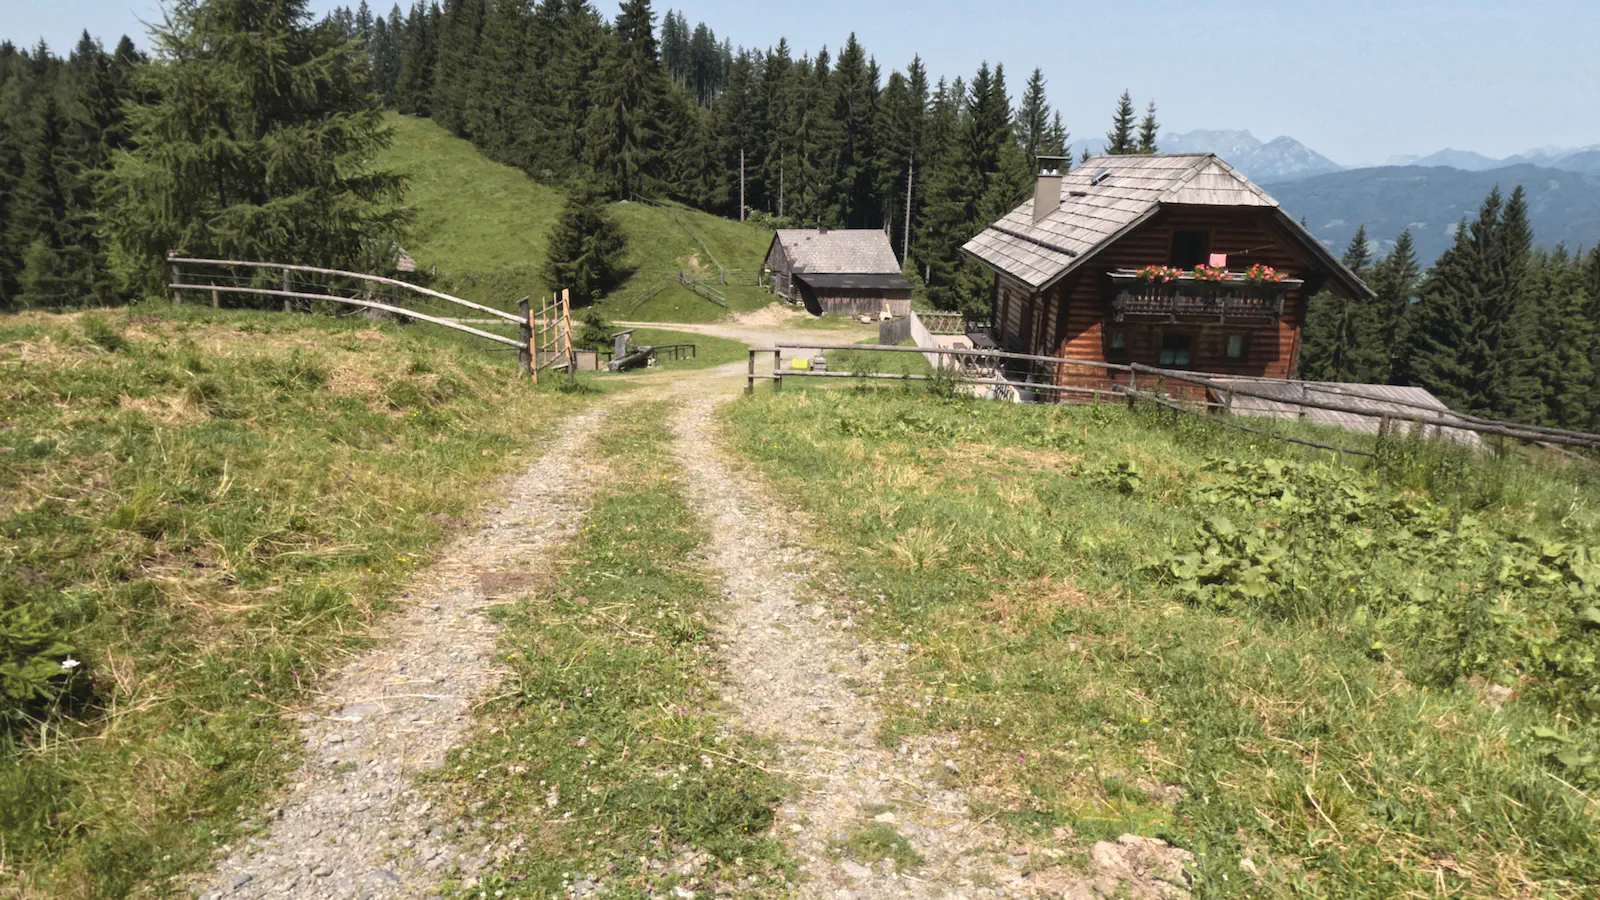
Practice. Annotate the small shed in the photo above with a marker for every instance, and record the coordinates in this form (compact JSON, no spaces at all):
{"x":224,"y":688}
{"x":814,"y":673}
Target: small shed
{"x":851,"y":271}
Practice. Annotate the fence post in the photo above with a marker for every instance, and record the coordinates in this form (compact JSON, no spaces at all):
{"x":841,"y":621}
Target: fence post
{"x":566,"y":326}
{"x":177,"y":278}
{"x":1133,"y":388}
{"x":216,"y":299}
{"x":525,"y":331}
{"x":777,"y":370}
{"x":750,"y":378}
{"x":288,"y":285}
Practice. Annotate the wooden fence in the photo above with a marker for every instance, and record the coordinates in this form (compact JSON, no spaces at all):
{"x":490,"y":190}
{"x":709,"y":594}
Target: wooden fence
{"x":306,"y":285}
{"x":1149,"y":383}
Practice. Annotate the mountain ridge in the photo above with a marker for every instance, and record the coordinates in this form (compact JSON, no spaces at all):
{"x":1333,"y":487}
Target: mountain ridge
{"x":1431,"y":201}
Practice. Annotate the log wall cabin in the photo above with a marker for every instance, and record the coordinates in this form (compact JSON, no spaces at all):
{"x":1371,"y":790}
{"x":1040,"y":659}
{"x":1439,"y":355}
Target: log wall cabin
{"x":1101,"y":266}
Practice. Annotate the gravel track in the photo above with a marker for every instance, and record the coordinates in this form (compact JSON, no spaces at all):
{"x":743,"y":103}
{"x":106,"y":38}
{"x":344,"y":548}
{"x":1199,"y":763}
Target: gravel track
{"x":353,"y":824}
{"x":792,"y":674}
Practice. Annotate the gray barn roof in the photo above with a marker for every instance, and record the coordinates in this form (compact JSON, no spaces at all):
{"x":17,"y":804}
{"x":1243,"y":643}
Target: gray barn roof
{"x":850,"y":251}
{"x":1400,"y":402}
{"x":1095,"y":212}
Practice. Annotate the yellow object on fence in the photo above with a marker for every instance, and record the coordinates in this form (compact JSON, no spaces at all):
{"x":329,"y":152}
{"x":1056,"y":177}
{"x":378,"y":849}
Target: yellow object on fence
{"x":800,"y":362}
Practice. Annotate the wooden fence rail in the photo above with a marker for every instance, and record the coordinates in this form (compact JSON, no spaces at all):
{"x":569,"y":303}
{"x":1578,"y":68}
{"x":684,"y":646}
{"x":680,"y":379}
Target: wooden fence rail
{"x":1475,"y":424}
{"x":185,"y":278}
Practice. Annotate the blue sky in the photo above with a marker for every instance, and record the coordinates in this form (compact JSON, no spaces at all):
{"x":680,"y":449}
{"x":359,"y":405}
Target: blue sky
{"x":1358,"y":80}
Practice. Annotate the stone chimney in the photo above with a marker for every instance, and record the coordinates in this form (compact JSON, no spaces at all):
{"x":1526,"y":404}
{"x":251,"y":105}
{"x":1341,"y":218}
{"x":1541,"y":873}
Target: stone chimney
{"x":1047,"y":187}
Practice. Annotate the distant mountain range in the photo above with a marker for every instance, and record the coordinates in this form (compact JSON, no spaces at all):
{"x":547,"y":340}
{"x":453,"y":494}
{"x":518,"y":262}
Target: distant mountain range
{"x":1427,"y":194}
{"x":1431,"y":201}
{"x":1280,"y":159}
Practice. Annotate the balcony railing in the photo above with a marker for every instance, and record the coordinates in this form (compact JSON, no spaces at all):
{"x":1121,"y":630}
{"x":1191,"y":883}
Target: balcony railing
{"x":1187,"y":297}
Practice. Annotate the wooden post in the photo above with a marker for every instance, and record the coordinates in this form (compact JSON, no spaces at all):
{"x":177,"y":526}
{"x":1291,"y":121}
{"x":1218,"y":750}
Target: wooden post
{"x":533,"y":346}
{"x":525,"y":331}
{"x":750,"y":379}
{"x":905,"y":242}
{"x":777,"y":369}
{"x":1133,"y":388}
{"x":288,"y":285}
{"x":177,"y":278}
{"x":566,"y":328}
{"x":216,"y":299}
{"x":1228,"y":403}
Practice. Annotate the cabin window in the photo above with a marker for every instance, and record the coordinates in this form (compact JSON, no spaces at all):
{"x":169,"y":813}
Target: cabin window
{"x":1175,"y":350}
{"x":1190,"y":248}
{"x":1235,"y":347}
{"x":1117,"y":345}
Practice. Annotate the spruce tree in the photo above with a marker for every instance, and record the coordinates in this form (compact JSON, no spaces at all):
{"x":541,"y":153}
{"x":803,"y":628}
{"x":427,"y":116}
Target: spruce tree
{"x":1565,"y":337}
{"x":255,"y":140}
{"x":40,"y":223}
{"x":496,"y":117}
{"x":1033,"y":120}
{"x":980,"y":181}
{"x":363,"y":23}
{"x":1502,"y":352}
{"x":1149,"y":130}
{"x":418,"y":61}
{"x":855,"y":97}
{"x":1055,"y":143}
{"x":1394,"y":280}
{"x":585,"y":251}
{"x":1121,"y":139}
{"x":625,"y":126}
{"x":1447,"y":351}
{"x":1341,"y":341}
{"x":675,"y":47}
{"x":455,"y":103}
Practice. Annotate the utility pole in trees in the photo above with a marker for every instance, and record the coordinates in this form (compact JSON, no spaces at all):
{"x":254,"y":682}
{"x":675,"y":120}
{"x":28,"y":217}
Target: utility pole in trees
{"x":780,"y":192}
{"x":741,"y":184}
{"x":905,"y":242}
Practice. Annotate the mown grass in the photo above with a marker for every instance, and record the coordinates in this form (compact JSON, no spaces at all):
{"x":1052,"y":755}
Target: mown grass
{"x":1312,"y":741}
{"x":485,"y":226}
{"x":878,"y":363}
{"x":210,"y":508}
{"x":604,"y":760}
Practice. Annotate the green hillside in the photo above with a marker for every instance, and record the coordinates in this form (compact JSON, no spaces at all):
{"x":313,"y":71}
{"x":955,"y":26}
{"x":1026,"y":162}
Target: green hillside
{"x":483,"y":225}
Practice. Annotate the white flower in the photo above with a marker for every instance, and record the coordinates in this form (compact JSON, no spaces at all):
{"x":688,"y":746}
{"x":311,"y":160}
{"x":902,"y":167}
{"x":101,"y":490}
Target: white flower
{"x":69,"y":664}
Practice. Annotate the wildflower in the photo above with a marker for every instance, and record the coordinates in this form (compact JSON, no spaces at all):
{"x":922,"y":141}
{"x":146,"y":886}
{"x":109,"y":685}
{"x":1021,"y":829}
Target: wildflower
{"x":69,"y":664}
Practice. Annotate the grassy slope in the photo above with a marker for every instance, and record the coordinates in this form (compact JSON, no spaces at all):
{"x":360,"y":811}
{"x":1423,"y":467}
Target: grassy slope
{"x":608,"y":737}
{"x":1020,"y":553}
{"x":212,"y":506}
{"x":484,"y":225}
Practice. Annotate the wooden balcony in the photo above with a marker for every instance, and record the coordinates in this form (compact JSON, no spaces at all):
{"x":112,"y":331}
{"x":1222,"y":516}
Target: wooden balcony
{"x":1188,"y":299}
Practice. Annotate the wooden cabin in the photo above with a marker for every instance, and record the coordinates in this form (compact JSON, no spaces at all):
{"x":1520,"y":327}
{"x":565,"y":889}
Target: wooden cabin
{"x":1101,"y":265}
{"x":851,"y":271}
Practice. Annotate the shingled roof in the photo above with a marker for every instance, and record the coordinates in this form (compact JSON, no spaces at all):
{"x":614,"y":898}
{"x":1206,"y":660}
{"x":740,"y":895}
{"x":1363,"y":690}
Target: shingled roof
{"x":1106,"y":197}
{"x":850,"y":251}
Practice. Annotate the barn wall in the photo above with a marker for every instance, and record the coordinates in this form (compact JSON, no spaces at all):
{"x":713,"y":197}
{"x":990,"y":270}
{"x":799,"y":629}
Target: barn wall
{"x":864,"y":302}
{"x":778,"y":264}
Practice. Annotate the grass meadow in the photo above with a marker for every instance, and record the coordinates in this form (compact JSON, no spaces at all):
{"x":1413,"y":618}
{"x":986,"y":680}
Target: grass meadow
{"x":1325,"y":678}
{"x":484,"y":227}
{"x":206,"y":509}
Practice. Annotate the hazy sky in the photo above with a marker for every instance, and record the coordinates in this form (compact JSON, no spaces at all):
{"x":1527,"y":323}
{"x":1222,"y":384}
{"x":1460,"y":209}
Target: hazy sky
{"x":1357,"y":80}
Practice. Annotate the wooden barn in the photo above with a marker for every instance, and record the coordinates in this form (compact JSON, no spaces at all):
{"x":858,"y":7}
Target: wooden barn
{"x":1168,"y":260}
{"x":851,"y":271}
